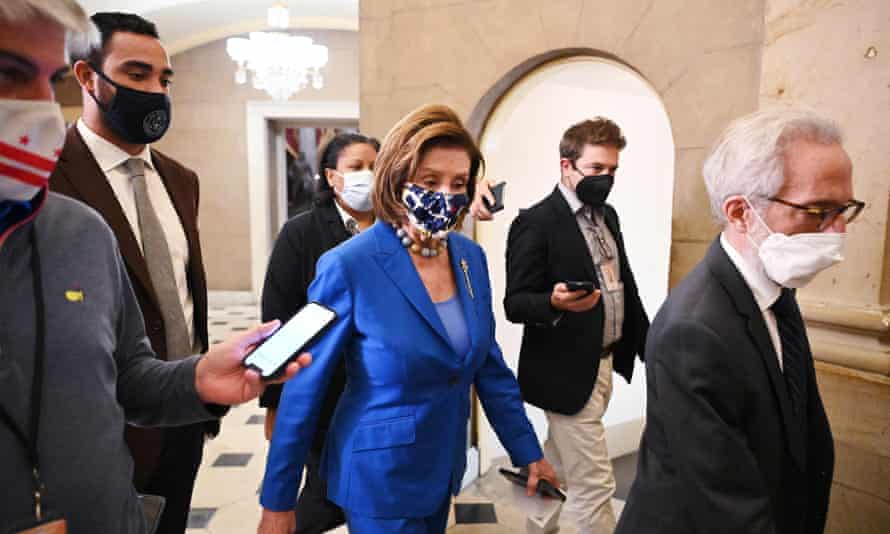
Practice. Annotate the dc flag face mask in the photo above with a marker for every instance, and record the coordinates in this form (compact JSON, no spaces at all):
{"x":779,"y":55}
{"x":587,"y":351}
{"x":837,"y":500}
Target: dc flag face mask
{"x":32,"y":133}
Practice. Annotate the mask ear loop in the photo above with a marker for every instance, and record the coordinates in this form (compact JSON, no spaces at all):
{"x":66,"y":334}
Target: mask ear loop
{"x":759,"y":219}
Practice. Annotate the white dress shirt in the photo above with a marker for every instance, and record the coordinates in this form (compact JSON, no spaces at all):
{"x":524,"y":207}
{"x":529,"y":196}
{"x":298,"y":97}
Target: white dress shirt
{"x":765,"y":291}
{"x":112,"y":161}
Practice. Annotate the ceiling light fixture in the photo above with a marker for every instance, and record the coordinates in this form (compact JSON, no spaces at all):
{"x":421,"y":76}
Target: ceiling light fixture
{"x":281,"y":64}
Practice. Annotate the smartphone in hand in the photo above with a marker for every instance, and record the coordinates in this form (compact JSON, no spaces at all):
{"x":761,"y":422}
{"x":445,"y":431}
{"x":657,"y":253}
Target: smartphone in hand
{"x":272,"y":355}
{"x":575,"y":285}
{"x":497,"y":192}
{"x":545,"y":489}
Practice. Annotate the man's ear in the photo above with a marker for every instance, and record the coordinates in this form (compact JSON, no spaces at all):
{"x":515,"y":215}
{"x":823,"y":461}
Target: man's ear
{"x":735,"y":210}
{"x":85,"y":76}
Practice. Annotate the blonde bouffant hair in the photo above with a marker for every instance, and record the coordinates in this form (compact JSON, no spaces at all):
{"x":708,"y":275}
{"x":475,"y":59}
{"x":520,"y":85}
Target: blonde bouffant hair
{"x":405,"y":146}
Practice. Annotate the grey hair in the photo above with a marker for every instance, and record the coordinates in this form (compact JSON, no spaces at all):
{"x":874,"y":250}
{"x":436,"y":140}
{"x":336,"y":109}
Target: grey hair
{"x":748,"y":158}
{"x":79,"y":31}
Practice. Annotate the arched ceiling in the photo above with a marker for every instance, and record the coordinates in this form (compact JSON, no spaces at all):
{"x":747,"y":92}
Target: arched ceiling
{"x":184,"y":24}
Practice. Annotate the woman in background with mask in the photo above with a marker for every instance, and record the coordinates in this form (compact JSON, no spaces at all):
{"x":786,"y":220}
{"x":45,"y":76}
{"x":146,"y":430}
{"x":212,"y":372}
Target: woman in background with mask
{"x":416,"y":329}
{"x":342,"y":208}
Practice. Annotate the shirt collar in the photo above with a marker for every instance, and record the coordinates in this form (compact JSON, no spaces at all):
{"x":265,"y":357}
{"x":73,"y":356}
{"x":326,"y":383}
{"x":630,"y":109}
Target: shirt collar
{"x":765,"y":291}
{"x":344,"y":215}
{"x":572,"y":199}
{"x":108,"y":155}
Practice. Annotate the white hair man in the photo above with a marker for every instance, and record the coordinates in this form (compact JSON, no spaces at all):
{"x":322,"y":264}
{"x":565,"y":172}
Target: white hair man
{"x":75,"y":362}
{"x":736,"y":439}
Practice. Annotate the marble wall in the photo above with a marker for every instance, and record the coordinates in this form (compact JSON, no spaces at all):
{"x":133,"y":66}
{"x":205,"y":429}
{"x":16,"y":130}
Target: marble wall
{"x":702,"y":57}
{"x":209,"y":136}
{"x":710,"y":61}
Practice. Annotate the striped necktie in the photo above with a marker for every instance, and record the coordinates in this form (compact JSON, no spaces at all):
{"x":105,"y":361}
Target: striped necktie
{"x":795,"y":348}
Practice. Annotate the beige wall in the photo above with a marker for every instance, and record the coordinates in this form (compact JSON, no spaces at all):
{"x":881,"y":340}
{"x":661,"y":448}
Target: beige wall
{"x":710,"y":61}
{"x":208,"y":135}
{"x":702,"y":57}
{"x":815,"y":54}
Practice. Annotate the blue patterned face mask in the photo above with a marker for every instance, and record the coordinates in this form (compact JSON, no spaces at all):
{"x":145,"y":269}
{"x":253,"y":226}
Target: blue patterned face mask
{"x":431,"y":211}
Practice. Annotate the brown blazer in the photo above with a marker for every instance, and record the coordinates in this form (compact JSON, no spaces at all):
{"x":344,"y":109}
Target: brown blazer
{"x":79,"y":176}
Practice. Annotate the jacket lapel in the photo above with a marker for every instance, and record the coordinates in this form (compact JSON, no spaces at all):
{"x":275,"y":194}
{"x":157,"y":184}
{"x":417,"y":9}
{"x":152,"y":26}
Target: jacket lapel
{"x":79,"y":167}
{"x":468,"y":280}
{"x":396,"y":263}
{"x":743,"y":299}
{"x":574,"y":238}
{"x":332,"y":228}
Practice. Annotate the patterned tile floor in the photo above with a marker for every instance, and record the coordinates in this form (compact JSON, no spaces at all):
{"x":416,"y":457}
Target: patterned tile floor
{"x":225,"y":498}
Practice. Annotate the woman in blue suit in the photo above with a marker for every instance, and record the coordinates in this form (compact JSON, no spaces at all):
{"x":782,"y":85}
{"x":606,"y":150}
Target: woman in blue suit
{"x":416,"y":329}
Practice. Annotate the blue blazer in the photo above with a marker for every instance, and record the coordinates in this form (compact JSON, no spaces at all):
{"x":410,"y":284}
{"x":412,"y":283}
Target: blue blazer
{"x":397,"y":442}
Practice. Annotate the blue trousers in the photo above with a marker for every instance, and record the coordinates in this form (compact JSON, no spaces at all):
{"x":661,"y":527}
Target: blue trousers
{"x":434,"y":524}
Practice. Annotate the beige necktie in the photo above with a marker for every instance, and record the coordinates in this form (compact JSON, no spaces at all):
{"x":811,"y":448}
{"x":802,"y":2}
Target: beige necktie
{"x":160,"y":265}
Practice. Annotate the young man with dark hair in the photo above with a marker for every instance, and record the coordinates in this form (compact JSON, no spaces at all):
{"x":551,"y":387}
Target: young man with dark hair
{"x":576,"y":333}
{"x":151,"y":203}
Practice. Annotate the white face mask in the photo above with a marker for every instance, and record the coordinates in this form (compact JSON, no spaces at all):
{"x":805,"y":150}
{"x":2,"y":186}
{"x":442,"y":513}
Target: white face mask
{"x":32,"y":133}
{"x":794,"y":260}
{"x":357,"y":190}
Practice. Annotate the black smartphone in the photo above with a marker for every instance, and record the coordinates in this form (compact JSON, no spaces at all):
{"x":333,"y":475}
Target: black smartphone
{"x":575,"y":285}
{"x":273,"y":354}
{"x":497,"y":192}
{"x":545,"y":488}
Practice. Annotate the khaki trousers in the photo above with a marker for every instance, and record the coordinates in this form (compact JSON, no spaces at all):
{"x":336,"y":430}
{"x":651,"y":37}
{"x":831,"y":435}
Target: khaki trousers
{"x":576,"y":446}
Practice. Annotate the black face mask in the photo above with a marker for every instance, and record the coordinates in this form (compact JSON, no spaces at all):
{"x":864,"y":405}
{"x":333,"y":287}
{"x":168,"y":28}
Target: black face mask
{"x":594,"y":189}
{"x":137,"y":117}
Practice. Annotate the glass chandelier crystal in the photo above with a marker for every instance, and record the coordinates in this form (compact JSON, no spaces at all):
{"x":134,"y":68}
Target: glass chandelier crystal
{"x":281,"y":64}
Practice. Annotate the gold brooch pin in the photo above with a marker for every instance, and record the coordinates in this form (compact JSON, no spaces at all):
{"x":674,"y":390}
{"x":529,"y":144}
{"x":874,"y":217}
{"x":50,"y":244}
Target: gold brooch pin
{"x":74,"y":295}
{"x":466,"y":268}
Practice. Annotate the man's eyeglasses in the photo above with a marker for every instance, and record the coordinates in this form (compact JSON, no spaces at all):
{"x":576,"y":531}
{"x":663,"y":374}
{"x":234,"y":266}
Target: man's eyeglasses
{"x":849,"y":210}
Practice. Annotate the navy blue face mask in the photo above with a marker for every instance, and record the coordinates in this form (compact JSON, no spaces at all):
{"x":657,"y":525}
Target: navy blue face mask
{"x":137,"y":117}
{"x":433,"y":212}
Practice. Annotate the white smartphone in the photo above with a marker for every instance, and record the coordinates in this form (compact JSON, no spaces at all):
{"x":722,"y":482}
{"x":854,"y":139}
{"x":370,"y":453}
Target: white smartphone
{"x":273,"y":354}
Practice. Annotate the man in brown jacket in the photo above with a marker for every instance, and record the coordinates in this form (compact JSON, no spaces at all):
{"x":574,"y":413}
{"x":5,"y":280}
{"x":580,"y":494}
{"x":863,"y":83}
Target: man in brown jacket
{"x":151,"y":203}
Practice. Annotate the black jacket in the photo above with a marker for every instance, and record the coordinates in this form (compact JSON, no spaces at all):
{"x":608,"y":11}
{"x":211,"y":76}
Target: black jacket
{"x":301,"y":242}
{"x":722,"y":450}
{"x":558,"y":363}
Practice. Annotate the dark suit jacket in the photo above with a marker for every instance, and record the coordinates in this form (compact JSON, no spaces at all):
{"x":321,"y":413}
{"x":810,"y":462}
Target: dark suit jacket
{"x":558,"y":364}
{"x":78,"y":175}
{"x":301,"y":242}
{"x":722,"y":450}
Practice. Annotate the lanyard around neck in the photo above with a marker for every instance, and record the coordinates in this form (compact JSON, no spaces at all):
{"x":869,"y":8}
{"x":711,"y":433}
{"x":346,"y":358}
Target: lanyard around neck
{"x":29,"y":440}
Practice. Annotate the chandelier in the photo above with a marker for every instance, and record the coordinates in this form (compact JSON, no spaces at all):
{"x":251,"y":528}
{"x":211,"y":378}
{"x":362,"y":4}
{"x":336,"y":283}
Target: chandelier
{"x":280,"y":64}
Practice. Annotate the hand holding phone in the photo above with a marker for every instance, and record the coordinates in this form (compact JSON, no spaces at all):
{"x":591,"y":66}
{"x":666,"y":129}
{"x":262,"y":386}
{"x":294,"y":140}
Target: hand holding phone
{"x":272,"y":355}
{"x":576,"y":285}
{"x":574,"y":296}
{"x":497,"y":192}
{"x":545,"y":489}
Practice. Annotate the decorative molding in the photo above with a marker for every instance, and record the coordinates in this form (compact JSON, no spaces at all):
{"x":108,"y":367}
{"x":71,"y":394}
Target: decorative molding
{"x":490,"y":100}
{"x":868,"y":320}
{"x":843,"y":370}
{"x":260,"y":171}
{"x":840,"y":326}
{"x":854,"y":358}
